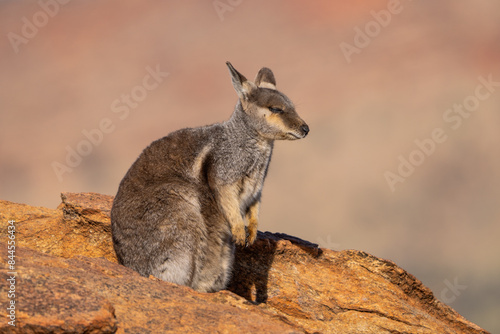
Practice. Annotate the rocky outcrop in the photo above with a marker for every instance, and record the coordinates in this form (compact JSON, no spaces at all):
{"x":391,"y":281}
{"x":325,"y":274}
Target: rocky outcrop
{"x":68,"y":281}
{"x":79,"y":226}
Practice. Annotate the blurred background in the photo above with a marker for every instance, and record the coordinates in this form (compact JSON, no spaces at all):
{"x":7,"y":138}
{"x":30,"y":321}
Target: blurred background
{"x":85,"y":86}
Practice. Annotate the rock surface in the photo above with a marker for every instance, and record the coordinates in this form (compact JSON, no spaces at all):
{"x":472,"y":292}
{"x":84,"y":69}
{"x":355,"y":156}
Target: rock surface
{"x":68,"y":281}
{"x":80,"y":226}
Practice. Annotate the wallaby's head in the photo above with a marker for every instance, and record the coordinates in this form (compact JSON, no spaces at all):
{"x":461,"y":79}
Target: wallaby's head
{"x":268,"y":111}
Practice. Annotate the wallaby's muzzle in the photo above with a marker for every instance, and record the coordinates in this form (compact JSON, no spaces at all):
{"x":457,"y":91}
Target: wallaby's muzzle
{"x":298,"y":131}
{"x":305,"y":130}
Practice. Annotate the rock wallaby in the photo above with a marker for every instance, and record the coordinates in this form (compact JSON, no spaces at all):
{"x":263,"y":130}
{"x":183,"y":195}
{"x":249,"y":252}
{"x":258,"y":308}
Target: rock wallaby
{"x":186,"y":201}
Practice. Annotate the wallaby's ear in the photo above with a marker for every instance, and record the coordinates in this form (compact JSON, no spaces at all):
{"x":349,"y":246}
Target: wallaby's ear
{"x":240,"y":83}
{"x":265,"y":78}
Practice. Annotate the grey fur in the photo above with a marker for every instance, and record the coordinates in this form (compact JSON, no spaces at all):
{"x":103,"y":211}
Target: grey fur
{"x":182,"y":205}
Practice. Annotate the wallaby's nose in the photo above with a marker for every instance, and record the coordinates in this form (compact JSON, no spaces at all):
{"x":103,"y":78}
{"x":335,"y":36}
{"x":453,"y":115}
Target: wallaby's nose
{"x":305,"y":129}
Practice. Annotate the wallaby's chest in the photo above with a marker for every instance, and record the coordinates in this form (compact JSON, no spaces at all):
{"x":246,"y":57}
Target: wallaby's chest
{"x":252,"y":179}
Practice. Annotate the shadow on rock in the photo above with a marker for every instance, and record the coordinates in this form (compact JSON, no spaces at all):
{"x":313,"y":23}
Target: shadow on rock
{"x":252,"y":264}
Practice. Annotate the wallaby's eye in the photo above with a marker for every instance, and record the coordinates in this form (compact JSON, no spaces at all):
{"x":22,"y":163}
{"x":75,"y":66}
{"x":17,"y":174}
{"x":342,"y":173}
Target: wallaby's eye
{"x":275,"y":110}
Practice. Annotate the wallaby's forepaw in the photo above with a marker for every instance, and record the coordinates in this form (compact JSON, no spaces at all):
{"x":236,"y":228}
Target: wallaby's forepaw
{"x":252,"y":235}
{"x":239,"y":234}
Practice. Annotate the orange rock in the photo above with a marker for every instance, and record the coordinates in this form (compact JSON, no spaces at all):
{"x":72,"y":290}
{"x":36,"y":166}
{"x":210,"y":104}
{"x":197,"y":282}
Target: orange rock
{"x":281,"y":284}
{"x":80,"y":226}
{"x":94,"y":295}
{"x":339,"y":292}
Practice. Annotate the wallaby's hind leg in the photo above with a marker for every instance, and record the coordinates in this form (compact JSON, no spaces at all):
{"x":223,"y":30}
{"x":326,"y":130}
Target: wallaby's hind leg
{"x":177,"y":268}
{"x":183,"y":241}
{"x":216,"y":272}
{"x":181,"y":257}
{"x":192,"y":240}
